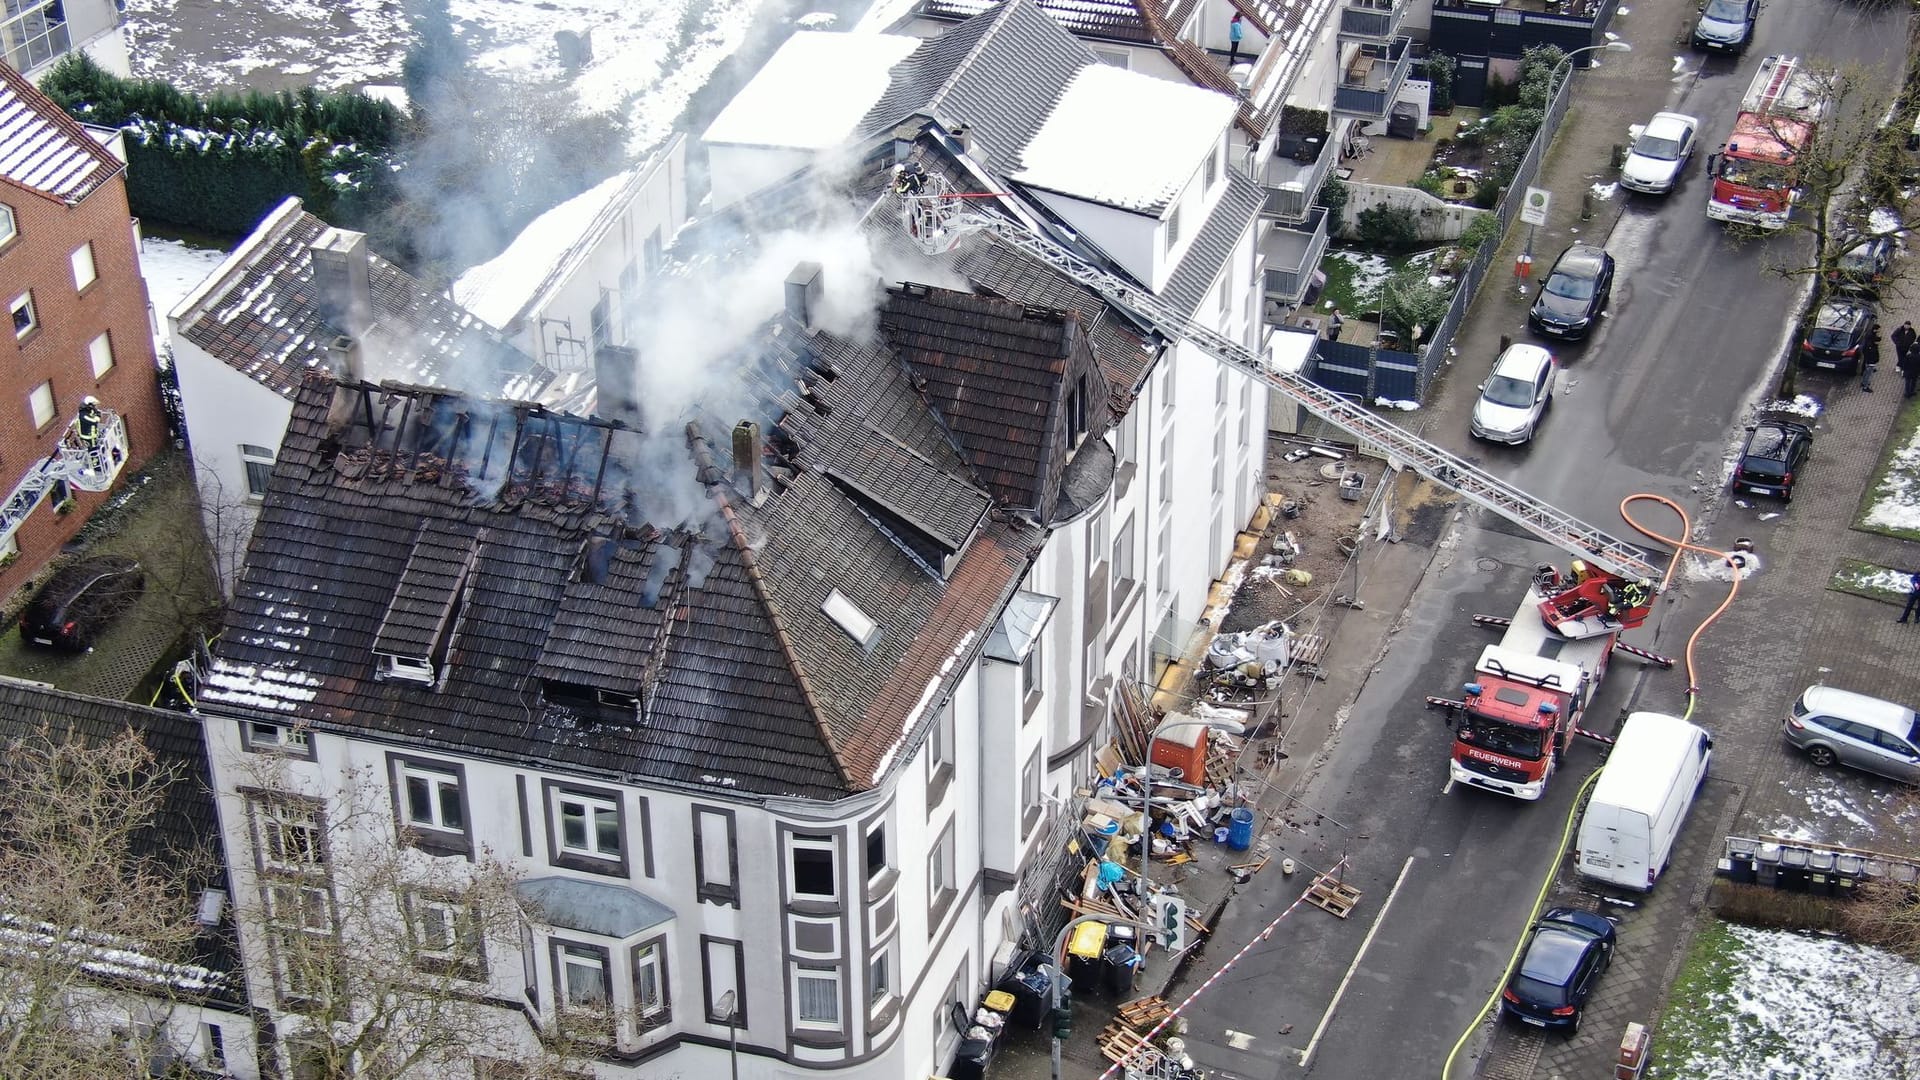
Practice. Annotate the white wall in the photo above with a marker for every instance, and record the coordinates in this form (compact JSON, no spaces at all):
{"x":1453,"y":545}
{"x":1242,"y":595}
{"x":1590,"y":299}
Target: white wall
{"x":225,"y":408}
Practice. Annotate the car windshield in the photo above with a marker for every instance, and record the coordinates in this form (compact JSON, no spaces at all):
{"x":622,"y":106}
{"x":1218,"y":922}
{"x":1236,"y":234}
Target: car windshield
{"x":1767,"y":444}
{"x":1727,"y":11}
{"x":1570,"y":286}
{"x":1653,"y":146}
{"x":1523,"y":743}
{"x":1763,"y":175}
{"x":1509,"y":391}
{"x":1539,"y":992}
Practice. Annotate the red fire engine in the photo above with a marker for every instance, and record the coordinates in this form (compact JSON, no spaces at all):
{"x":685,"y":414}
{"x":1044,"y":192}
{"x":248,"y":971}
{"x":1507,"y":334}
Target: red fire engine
{"x":1755,"y":173}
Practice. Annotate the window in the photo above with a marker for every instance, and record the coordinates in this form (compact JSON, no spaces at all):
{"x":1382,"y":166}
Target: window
{"x":629,"y":289}
{"x":1030,"y":794}
{"x":654,"y":250}
{"x":213,"y":1046}
{"x":716,"y":860}
{"x":957,"y":994}
{"x":9,"y":549}
{"x":811,"y":861}
{"x":1166,"y":467}
{"x":7,"y":228}
{"x":258,"y":463}
{"x":40,"y":403}
{"x":22,"y":309}
{"x":288,"y":836}
{"x":940,"y":884}
{"x":589,"y":824}
{"x":1220,"y":387}
{"x":1113,"y":57}
{"x":100,"y":354}
{"x":1123,"y":562}
{"x":265,"y":736}
{"x":445,"y":934}
{"x":1173,"y":228}
{"x":816,"y":998}
{"x":582,"y":977}
{"x":1097,"y":539}
{"x":32,"y":33}
{"x":300,"y":925}
{"x":877,"y":851}
{"x":431,"y":798}
{"x":1163,"y":559}
{"x":83,"y":272}
{"x":849,"y":618}
{"x":1166,"y":385}
{"x":649,"y":980}
{"x":1126,"y":440}
{"x":1032,"y":672}
{"x":879,"y":976}
{"x":529,"y":963}
{"x":1220,"y":456}
{"x":940,"y":758}
{"x":597,"y":319}
{"x":1210,"y":171}
{"x":1077,"y":411}
{"x":1246,"y":409}
{"x":1226,"y":279}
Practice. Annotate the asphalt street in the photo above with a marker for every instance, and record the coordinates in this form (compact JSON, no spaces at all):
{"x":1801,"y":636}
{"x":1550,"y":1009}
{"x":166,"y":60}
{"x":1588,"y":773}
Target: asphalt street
{"x":1655,"y":402}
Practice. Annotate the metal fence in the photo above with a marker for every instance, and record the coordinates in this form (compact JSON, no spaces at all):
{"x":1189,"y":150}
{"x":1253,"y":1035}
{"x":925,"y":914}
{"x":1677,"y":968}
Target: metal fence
{"x":1360,"y":371}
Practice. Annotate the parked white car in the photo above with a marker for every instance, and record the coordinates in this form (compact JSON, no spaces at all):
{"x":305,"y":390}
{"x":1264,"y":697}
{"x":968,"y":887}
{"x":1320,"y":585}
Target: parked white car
{"x":1661,"y":149}
{"x":1516,"y":395}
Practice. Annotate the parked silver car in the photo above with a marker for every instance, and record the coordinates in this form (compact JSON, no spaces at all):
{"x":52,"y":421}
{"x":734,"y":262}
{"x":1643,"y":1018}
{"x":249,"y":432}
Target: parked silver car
{"x":1517,"y":393}
{"x":1661,"y":150}
{"x":1867,"y":733}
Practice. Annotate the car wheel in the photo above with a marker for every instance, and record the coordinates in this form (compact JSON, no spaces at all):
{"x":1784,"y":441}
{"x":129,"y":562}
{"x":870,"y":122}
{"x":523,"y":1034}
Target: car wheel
{"x":1821,"y":756}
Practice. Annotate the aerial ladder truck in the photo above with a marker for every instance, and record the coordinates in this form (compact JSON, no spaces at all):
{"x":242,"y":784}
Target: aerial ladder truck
{"x":89,"y":456}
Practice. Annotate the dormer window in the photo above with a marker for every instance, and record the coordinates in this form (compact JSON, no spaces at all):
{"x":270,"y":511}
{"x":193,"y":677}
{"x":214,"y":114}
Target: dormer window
{"x":406,"y":668}
{"x":1173,"y":228}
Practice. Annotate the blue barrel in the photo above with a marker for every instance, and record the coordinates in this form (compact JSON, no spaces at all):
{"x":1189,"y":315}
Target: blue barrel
{"x":1240,"y":830}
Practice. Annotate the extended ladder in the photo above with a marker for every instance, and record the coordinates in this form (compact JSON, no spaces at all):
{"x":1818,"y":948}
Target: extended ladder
{"x":1399,"y":445}
{"x":82,"y":465}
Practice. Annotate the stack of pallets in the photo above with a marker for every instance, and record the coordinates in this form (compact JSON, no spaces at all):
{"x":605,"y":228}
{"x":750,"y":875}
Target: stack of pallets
{"x":1124,"y":1039}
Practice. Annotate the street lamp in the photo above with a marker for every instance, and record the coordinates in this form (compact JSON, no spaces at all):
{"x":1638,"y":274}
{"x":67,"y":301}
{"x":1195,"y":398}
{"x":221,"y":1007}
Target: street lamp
{"x":730,"y":1005}
{"x":1230,"y":727}
{"x":1058,"y":977}
{"x":1553,"y":80}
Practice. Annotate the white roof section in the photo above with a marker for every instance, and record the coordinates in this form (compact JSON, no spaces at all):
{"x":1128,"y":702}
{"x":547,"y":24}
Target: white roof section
{"x":1288,"y":350}
{"x":1639,"y":771}
{"x":1529,"y":668}
{"x":1125,"y":139}
{"x":42,"y":148}
{"x":813,"y":92}
{"x":504,"y":287}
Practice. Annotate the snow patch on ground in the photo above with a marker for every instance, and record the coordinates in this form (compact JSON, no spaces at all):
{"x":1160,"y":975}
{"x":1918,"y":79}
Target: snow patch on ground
{"x":172,"y":268}
{"x":1896,"y":500}
{"x":1800,"y":1005}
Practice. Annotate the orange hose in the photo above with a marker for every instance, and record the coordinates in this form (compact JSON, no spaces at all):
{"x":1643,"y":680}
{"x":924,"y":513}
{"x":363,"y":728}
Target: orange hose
{"x":1680,"y":545}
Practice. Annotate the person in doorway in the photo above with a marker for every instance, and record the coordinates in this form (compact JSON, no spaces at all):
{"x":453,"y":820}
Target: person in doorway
{"x":1869,"y":359}
{"x":1912,"y":610}
{"x":1236,"y":29}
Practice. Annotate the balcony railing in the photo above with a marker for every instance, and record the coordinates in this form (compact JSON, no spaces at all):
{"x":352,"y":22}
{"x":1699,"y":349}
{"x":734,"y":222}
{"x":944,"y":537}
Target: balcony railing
{"x":1372,"y":79}
{"x":1371,"y":20}
{"x":1292,"y":184}
{"x":1292,"y":253}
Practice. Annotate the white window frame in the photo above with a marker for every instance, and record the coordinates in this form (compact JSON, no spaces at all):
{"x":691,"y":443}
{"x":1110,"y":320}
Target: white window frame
{"x":1166,"y":385}
{"x":262,"y":735}
{"x":649,"y":958}
{"x":1166,"y":466}
{"x":9,"y":228}
{"x":1126,"y":439}
{"x":1030,"y":794}
{"x":1033,"y":671}
{"x":250,"y":456}
{"x":940,"y":741}
{"x":880,"y":988}
{"x":1246,"y":411}
{"x":278,"y":827}
{"x":574,"y":957}
{"x":1096,"y":541}
{"x":312,"y":918}
{"x":940,"y":865}
{"x":435,"y":783}
{"x":1123,"y":555}
{"x":796,"y":844}
{"x":23,"y":302}
{"x":459,"y":939}
{"x":42,"y":406}
{"x":213,"y":1045}
{"x":1173,"y":228}
{"x":9,"y":548}
{"x":417,"y":669}
{"x":85,"y":272}
{"x":592,"y":807}
{"x":1220,"y":456}
{"x":828,"y":976}
{"x":100,"y":355}
{"x":1163,"y":560}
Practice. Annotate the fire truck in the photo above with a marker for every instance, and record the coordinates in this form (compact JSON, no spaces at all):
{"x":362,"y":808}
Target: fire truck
{"x":1531,"y":690}
{"x":1755,"y":173}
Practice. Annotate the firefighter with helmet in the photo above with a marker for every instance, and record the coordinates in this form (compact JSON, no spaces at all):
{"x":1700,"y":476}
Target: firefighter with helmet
{"x":88,"y":425}
{"x":909,"y":179}
{"x":1636,"y":594}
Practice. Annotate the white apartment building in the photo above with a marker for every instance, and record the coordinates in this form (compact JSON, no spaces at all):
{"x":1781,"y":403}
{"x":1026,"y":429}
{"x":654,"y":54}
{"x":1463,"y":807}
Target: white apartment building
{"x":35,"y":34}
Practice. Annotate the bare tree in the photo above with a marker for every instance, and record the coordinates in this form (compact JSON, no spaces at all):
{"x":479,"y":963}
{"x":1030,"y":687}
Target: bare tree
{"x":92,"y":908}
{"x":386,"y":959}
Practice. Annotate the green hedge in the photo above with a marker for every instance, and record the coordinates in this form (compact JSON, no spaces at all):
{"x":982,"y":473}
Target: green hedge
{"x":220,"y":163}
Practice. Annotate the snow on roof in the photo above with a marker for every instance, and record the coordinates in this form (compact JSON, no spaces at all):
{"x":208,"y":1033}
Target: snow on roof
{"x":44,"y":149}
{"x":1639,"y":771}
{"x":812,"y":92}
{"x":501,"y":289}
{"x":1125,"y":139}
{"x":1289,"y":350}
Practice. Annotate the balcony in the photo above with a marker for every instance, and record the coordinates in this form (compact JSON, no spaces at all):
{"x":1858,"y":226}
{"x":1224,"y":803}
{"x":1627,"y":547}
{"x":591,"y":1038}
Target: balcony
{"x":1291,"y":254}
{"x":1292,"y":183}
{"x":1371,"y":20}
{"x":1372,"y":80}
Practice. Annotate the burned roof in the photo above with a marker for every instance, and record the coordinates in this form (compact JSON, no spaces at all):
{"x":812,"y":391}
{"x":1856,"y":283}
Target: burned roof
{"x":699,"y":652}
{"x":262,"y":314}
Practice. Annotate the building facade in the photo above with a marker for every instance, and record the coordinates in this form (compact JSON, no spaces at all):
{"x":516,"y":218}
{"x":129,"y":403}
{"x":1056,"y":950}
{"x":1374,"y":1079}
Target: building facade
{"x":77,"y":329}
{"x":36,"y":34}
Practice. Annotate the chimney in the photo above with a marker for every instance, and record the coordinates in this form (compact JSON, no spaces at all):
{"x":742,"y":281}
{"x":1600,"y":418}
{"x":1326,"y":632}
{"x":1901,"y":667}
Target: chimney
{"x":343,"y":356}
{"x":616,"y":375}
{"x":803,"y":292}
{"x":340,"y":282}
{"x":969,"y":143}
{"x":746,"y":458}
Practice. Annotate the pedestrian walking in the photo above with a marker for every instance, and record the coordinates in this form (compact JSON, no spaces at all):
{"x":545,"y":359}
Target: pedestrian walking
{"x":1909,"y":362}
{"x":1236,"y":29}
{"x":1869,"y":359}
{"x":1904,"y":337}
{"x":1912,"y":610}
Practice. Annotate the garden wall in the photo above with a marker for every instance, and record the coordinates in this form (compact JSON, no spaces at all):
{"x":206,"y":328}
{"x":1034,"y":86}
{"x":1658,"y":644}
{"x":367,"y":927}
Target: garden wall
{"x":1439,"y":220}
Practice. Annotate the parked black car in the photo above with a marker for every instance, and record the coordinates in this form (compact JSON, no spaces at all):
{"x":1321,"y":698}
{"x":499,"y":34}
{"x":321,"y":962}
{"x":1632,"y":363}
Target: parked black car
{"x":1867,"y":261}
{"x":1725,"y":25}
{"x":1841,"y":330}
{"x":1775,"y":452}
{"x":1574,"y":293}
{"x":81,"y":600}
{"x":1566,"y":953}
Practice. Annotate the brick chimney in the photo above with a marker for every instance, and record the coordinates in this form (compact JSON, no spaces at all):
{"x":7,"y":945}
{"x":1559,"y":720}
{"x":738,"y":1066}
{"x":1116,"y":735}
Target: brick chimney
{"x":803,"y":293}
{"x":340,"y":281}
{"x":746,"y":459}
{"x":616,"y":376}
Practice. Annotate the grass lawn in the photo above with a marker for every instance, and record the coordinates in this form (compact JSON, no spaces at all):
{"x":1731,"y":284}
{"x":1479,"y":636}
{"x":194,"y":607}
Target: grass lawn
{"x":1755,"y":1004}
{"x":1354,"y":278}
{"x":1887,"y":585}
{"x":1892,"y":501}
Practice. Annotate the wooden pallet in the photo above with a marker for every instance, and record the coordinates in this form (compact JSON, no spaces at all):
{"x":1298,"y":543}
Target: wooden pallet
{"x":1331,"y":895}
{"x":1142,"y":1013}
{"x":1308,"y":651}
{"x":1120,"y":1043}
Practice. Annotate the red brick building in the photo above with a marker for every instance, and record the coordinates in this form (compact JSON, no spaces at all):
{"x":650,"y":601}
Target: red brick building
{"x":76,"y":327}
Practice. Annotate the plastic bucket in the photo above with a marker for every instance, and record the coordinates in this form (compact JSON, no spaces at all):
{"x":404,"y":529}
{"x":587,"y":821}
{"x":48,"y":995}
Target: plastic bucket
{"x":1240,"y":830}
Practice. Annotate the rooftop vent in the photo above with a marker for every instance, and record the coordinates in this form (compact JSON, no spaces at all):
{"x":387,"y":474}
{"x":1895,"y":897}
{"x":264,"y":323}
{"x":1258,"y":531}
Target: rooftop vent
{"x":803,"y":293}
{"x":848,"y":616}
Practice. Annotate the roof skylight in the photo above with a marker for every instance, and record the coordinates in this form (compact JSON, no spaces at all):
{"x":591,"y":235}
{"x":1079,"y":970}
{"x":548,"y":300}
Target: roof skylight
{"x":847,"y":616}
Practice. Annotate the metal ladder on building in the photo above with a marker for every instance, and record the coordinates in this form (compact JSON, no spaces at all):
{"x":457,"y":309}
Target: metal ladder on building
{"x":81,"y":465}
{"x":1400,"y":446}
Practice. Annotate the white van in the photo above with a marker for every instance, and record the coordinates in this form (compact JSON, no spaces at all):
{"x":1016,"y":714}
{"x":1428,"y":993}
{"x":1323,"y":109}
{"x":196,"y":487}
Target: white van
{"x":1641,"y":799}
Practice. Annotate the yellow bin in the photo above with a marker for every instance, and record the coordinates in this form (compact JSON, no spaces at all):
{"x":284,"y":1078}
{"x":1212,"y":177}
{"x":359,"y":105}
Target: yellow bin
{"x":999,"y":1001}
{"x":1088,"y":941}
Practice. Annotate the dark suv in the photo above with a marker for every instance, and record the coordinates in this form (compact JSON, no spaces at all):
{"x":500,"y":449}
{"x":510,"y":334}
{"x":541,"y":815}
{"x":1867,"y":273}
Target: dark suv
{"x":1841,"y":330}
{"x":1775,"y":452}
{"x":80,"y":600}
